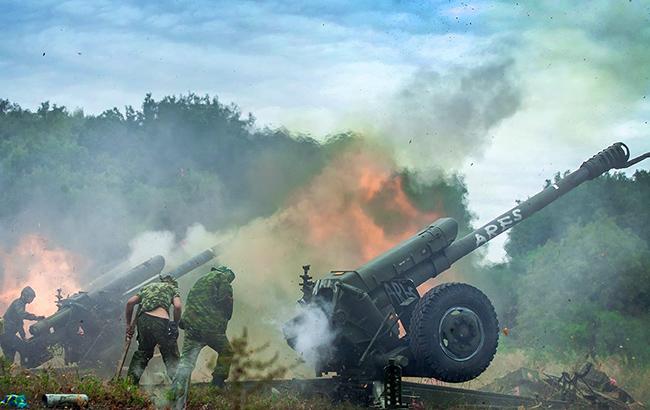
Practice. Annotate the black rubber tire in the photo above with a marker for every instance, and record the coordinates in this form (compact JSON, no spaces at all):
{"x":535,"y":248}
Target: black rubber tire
{"x":425,"y":336}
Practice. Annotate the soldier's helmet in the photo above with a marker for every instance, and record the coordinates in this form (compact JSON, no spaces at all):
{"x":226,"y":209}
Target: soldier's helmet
{"x":27,"y":294}
{"x":226,"y":271}
{"x":169,"y":279}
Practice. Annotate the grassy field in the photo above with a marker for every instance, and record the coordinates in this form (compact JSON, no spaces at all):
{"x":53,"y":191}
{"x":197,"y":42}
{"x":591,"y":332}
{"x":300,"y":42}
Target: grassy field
{"x":102,"y":394}
{"x":206,"y":397}
{"x":122,"y":395}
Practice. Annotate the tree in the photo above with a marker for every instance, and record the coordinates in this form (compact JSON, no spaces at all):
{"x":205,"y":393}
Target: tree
{"x":583,"y":294}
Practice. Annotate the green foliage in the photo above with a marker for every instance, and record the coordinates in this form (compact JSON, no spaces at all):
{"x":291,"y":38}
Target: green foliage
{"x":106,"y":395}
{"x":616,"y":196}
{"x":174,"y":162}
{"x":499,"y":283}
{"x":576,"y":286}
{"x":120,"y":394}
{"x":93,"y":182}
{"x":577,"y":292}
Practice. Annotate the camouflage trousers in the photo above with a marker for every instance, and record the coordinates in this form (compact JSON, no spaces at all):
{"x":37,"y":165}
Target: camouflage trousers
{"x":194,"y":342}
{"x":153,"y":331}
{"x":10,"y":345}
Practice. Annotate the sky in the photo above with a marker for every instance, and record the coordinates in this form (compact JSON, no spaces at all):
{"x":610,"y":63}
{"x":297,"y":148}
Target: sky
{"x":506,"y":93}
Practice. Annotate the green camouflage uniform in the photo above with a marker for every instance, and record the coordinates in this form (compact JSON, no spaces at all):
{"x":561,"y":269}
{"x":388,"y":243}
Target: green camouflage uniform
{"x":153,"y":330}
{"x":207,"y":311}
{"x":13,"y":324}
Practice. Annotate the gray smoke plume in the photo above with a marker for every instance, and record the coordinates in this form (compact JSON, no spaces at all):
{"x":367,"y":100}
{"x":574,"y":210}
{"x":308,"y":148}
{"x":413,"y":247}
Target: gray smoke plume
{"x":439,"y":119}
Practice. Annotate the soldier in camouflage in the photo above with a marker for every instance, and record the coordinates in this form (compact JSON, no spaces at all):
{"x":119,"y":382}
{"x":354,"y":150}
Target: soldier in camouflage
{"x":154,"y":326}
{"x":13,"y":324}
{"x":205,"y":319}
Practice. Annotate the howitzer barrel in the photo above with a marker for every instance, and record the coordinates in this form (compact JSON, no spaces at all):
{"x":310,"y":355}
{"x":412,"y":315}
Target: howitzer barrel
{"x":136,"y":275}
{"x":59,"y":318}
{"x":435,"y":249}
{"x":84,"y":320}
{"x":198,"y":260}
{"x":150,"y":267}
{"x":418,"y":256}
{"x":614,"y":157}
{"x":180,"y":270}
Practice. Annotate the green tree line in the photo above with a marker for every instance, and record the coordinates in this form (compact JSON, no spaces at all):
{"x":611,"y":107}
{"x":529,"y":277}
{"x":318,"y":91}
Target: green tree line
{"x":93,"y":182}
{"x":576,"y":285}
{"x":174,"y":162}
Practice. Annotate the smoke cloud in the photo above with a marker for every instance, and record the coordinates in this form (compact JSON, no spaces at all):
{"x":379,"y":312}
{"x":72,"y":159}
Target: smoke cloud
{"x":358,"y":206}
{"x":270,"y":201}
{"x":440,"y":118}
{"x":312,"y":334}
{"x":148,"y":244}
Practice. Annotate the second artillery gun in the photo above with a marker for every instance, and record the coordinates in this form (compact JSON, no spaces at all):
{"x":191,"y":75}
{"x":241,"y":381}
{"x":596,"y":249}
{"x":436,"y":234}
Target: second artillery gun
{"x":451,"y":332}
{"x":88,"y":325}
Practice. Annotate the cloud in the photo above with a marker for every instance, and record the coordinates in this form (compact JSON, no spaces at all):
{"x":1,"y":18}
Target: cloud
{"x":582,"y":72}
{"x":272,"y":58}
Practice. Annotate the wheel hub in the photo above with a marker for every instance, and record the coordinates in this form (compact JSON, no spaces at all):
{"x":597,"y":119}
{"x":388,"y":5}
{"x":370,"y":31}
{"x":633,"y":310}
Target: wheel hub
{"x":460,"y":333}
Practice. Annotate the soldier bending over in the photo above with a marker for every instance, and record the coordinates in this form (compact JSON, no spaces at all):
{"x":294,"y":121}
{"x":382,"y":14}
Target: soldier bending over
{"x":154,"y":326}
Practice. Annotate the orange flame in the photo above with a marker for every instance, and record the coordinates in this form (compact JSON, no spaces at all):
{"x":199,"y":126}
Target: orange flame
{"x":34,"y":263}
{"x":359,"y":201}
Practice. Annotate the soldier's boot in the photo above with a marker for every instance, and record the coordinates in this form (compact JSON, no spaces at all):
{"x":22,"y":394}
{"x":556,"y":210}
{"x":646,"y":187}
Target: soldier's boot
{"x":224,"y":359}
{"x":222,"y":369}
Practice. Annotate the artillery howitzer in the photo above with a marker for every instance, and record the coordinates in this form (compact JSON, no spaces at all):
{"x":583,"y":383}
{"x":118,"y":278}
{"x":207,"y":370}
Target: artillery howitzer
{"x":89,"y":325}
{"x":451,"y":332}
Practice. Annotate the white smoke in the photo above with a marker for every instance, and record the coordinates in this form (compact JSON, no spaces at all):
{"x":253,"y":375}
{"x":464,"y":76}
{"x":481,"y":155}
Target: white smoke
{"x":313,"y":335}
{"x":151,"y":243}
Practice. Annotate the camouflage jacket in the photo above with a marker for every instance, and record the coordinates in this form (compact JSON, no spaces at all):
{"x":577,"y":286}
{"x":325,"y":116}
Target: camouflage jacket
{"x":14,"y":316}
{"x":157,"y":294}
{"x":209,"y":304}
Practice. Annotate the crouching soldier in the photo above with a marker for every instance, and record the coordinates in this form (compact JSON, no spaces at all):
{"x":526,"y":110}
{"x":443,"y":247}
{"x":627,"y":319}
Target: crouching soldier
{"x":14,"y":326}
{"x":205,"y":319}
{"x":153,"y":325}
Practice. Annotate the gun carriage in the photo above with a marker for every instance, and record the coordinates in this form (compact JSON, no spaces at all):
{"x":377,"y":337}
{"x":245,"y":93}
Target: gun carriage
{"x":451,"y":332}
